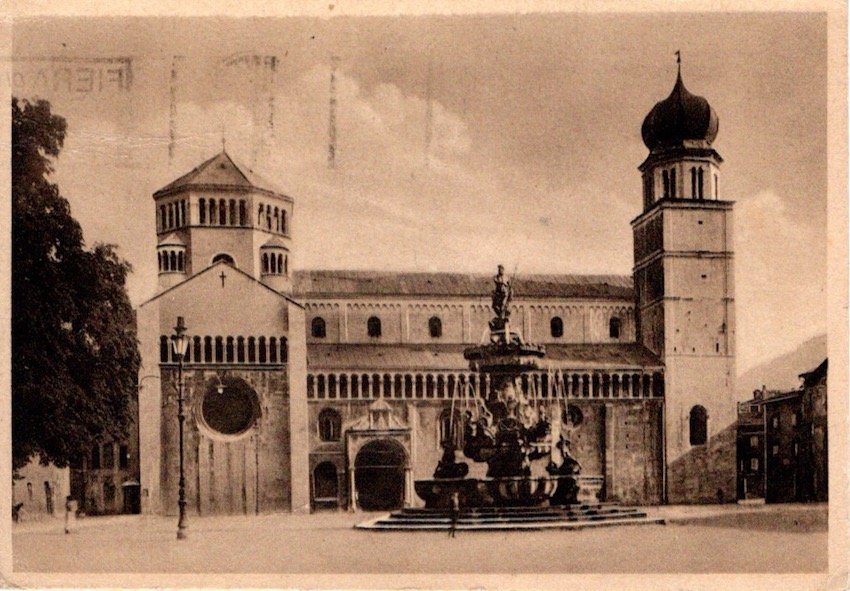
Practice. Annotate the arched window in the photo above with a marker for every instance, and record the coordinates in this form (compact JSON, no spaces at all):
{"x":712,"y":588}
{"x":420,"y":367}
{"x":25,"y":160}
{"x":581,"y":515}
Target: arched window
{"x":318,"y":328}
{"x":700,"y":183}
{"x":212,"y":211}
{"x":162,"y":218}
{"x":716,"y":187}
{"x":240,"y":349}
{"x":183,"y":212}
{"x":556,"y":327}
{"x":284,"y":351}
{"x":286,"y":265}
{"x":273,"y":264}
{"x":233,"y":212}
{"x":277,"y":219}
{"x":283,"y":221}
{"x":435,"y":327}
{"x":159,"y":260}
{"x":243,"y":214}
{"x":228,"y":350}
{"x":261,"y":344}
{"x":172,"y":260}
{"x":451,"y":428}
{"x":180,"y":261}
{"x":170,"y":211}
{"x":330,"y":425}
{"x":693,"y":182}
{"x":265,"y":262}
{"x":252,"y":350}
{"x":373,"y":326}
{"x":269,"y":218}
{"x":666,"y":178}
{"x":219,"y":349}
{"x":260,"y":214}
{"x":222,"y":212}
{"x":280,"y":267}
{"x":673,"y":183}
{"x":614,"y":326}
{"x":222,"y":256}
{"x":208,"y":352}
{"x":272,"y":350}
{"x":196,"y":349}
{"x":698,"y":425}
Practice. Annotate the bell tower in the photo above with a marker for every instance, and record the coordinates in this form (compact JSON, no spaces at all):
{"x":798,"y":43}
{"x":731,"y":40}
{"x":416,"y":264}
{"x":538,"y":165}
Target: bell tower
{"x":684,"y":286}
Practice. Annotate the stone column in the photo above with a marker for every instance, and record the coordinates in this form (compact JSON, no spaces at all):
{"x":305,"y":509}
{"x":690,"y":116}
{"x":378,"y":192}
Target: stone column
{"x":352,"y":491}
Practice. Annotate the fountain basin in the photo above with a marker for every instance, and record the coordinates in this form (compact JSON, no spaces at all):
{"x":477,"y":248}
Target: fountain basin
{"x":509,"y":491}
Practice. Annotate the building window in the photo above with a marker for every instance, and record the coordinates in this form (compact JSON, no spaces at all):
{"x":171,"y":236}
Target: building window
{"x":318,"y":328}
{"x":29,"y":490}
{"x":556,"y":327}
{"x":698,"y":425}
{"x":775,"y":450}
{"x":754,"y":441}
{"x":373,"y":326}
{"x":673,"y":183}
{"x":754,"y":464}
{"x":330,"y":425}
{"x":123,"y":457}
{"x":665,"y":175}
{"x":693,"y":182}
{"x":614,"y":328}
{"x":700,"y":183}
{"x":435,"y":327}
{"x":95,"y":458}
{"x":108,"y":456}
{"x":223,"y":257}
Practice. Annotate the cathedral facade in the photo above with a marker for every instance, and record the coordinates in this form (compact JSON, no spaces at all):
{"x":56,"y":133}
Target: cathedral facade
{"x":335,"y":389}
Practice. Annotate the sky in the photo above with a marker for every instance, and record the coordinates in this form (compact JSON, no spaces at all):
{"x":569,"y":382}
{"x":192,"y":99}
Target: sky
{"x":460,"y":142}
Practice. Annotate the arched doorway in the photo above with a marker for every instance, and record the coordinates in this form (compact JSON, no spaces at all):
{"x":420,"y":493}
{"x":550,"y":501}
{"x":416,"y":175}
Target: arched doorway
{"x":379,"y":475}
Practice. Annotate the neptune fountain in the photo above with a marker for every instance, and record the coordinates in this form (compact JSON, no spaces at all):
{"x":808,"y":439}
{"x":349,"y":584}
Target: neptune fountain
{"x":504,"y":430}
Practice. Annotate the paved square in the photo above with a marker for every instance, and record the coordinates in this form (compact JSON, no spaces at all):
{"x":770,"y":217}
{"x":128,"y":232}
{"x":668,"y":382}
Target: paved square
{"x":695,"y":540}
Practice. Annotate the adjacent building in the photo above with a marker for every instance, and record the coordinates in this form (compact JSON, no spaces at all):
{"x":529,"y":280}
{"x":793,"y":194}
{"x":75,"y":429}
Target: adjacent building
{"x":782,"y":443}
{"x":315,"y":389}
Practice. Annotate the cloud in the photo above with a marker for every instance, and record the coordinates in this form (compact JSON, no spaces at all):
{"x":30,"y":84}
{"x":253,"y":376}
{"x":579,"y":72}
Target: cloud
{"x":780,"y":276}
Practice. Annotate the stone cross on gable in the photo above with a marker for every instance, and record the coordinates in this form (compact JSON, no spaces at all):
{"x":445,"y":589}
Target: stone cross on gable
{"x":222,"y":277}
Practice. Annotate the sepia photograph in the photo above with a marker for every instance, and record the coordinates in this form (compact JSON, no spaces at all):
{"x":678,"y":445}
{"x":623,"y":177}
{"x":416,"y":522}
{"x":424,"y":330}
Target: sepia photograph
{"x":404,"y":296}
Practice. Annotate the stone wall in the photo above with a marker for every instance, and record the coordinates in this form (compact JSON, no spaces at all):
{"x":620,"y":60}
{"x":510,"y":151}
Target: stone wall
{"x":242,"y":473}
{"x":706,"y":473}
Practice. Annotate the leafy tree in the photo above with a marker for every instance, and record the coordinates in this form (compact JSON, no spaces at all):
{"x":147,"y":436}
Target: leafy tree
{"x":75,"y":356}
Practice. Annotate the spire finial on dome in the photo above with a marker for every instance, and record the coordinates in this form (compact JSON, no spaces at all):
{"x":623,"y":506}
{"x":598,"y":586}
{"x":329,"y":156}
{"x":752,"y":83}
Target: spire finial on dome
{"x":678,"y":55}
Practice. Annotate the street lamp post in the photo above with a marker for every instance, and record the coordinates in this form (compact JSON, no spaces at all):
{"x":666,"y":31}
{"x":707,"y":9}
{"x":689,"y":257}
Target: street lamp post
{"x":180,"y":342}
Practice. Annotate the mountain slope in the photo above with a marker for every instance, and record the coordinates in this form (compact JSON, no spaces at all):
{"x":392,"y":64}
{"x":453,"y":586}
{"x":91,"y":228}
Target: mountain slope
{"x":780,"y":373}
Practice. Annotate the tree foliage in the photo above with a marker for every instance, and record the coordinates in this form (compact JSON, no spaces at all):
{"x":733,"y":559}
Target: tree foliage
{"x":75,"y":356}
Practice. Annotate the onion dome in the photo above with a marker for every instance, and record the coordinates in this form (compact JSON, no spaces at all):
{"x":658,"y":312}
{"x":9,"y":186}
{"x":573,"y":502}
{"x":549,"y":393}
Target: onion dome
{"x":680,"y":117}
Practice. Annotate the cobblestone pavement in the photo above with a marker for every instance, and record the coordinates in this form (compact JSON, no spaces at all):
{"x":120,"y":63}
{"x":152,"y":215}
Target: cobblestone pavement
{"x":695,"y":540}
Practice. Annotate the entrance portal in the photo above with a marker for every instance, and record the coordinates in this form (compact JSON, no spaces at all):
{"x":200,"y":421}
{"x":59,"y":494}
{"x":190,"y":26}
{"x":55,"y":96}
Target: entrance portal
{"x":379,"y":475}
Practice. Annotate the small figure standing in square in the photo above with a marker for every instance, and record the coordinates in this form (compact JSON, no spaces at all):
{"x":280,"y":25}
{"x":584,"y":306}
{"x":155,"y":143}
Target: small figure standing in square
{"x":70,"y":513}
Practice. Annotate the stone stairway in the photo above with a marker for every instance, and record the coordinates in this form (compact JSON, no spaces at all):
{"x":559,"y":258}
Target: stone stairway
{"x":510,"y":518}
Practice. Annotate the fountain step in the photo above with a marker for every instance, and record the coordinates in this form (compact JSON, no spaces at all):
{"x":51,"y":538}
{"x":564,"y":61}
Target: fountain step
{"x":574,"y":507}
{"x":548,"y":518}
{"x":555,"y":512}
{"x":490,"y":518}
{"x":383,"y":525}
